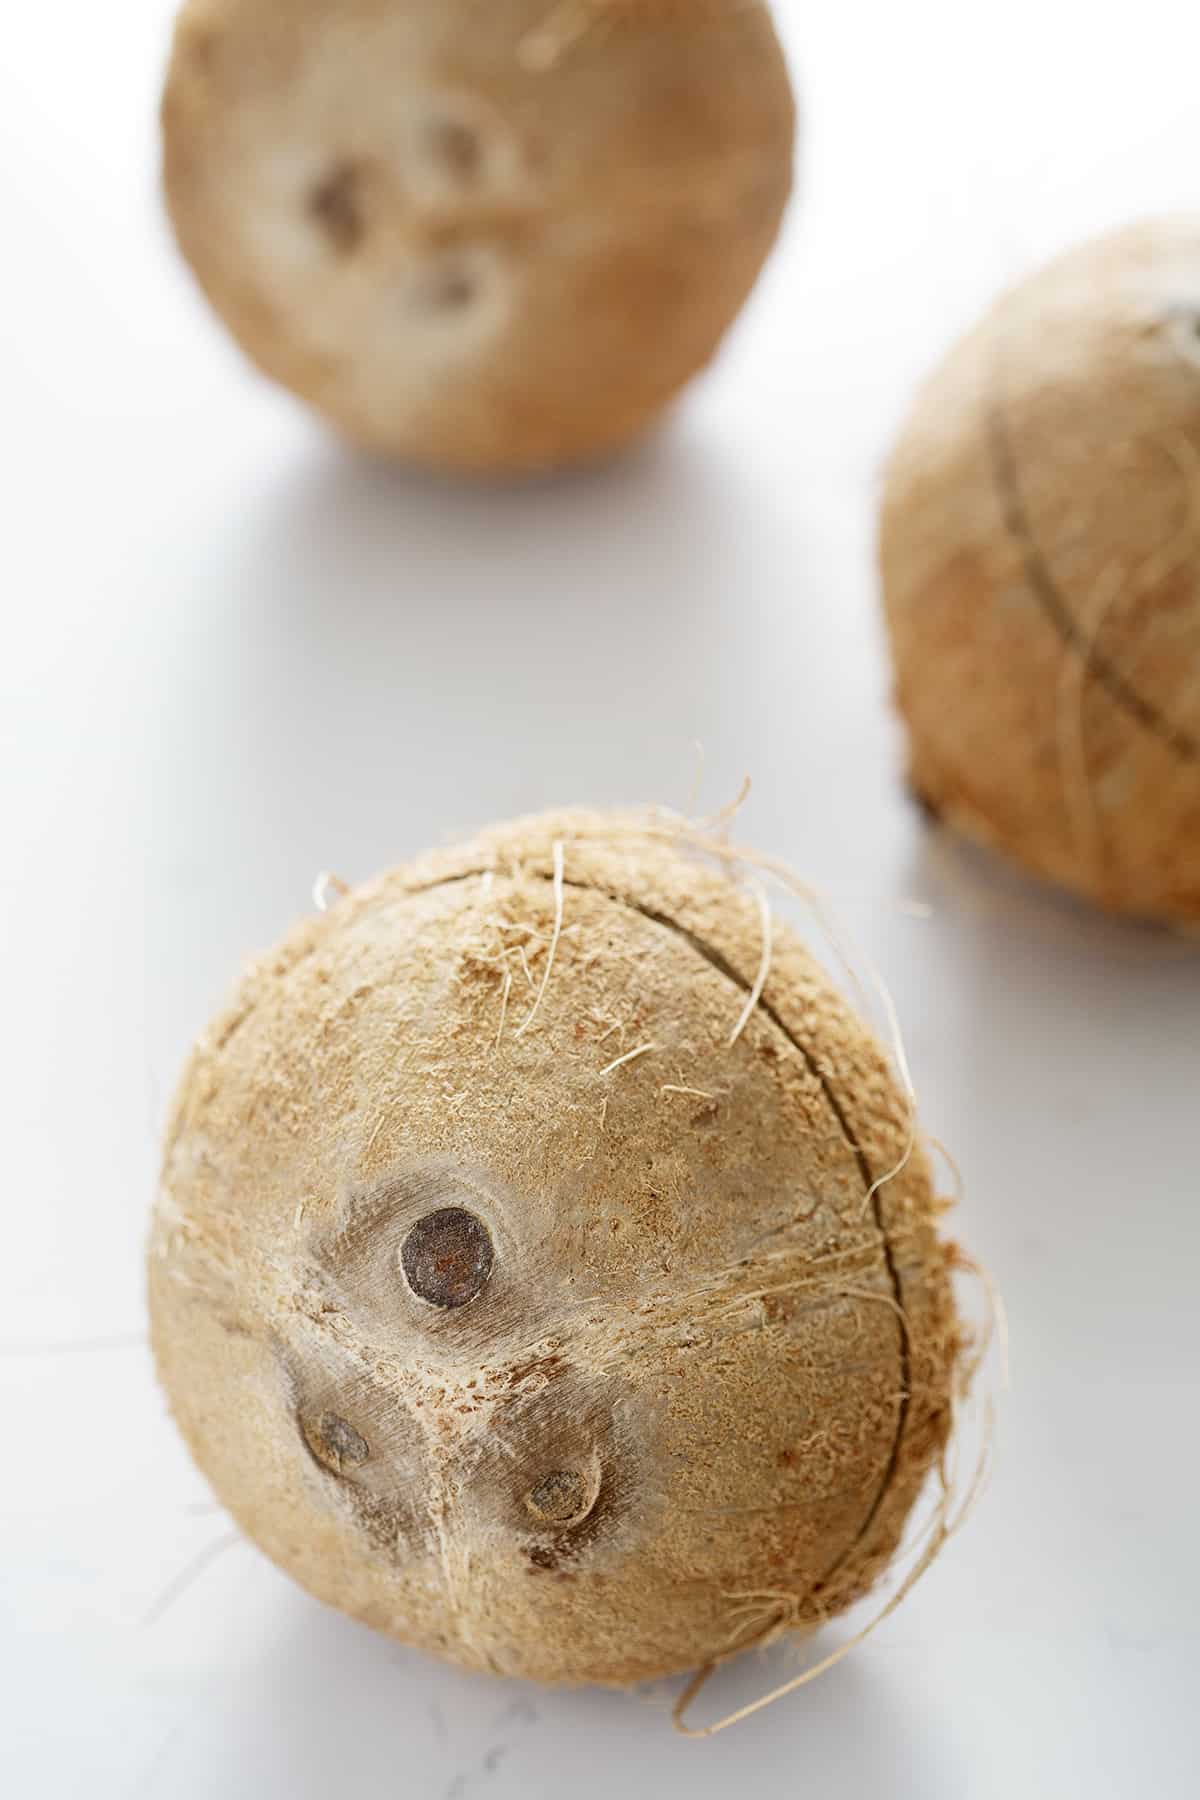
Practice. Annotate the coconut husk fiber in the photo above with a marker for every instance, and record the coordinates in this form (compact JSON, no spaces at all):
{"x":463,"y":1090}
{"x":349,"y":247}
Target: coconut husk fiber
{"x":524,"y":1292}
{"x":1040,"y":555}
{"x":480,"y":235}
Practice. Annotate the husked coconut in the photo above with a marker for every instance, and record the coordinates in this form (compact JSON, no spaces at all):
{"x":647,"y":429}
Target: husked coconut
{"x":478,"y":236}
{"x":531,"y":1286}
{"x":1040,"y":554}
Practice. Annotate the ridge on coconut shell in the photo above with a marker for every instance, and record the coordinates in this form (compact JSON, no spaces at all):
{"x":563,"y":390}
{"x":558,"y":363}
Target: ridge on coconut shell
{"x":479,"y":237}
{"x":1040,"y":560}
{"x":538,"y":1284}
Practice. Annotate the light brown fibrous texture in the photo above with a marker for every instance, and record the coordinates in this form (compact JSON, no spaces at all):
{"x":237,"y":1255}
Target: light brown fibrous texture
{"x":1040,"y":556}
{"x":553,"y":1368}
{"x":481,"y":235}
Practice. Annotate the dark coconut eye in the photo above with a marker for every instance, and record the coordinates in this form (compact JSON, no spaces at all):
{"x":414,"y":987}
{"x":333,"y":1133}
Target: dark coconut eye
{"x":559,"y":1498}
{"x":454,"y":147}
{"x":335,"y":204}
{"x":447,"y":1257}
{"x":335,"y":1443}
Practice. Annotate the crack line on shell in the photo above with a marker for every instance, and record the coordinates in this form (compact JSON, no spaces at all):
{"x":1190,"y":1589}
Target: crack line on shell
{"x":1053,"y":603}
{"x":724,"y":967}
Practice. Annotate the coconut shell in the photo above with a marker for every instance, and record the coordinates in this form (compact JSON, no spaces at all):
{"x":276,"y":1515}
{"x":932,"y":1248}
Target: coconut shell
{"x":1040,"y":555}
{"x":482,"y":235}
{"x":551,"y":1358}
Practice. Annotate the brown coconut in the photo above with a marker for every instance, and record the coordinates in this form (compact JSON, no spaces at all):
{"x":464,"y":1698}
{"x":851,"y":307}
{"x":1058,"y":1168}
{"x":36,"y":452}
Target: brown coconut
{"x":1040,"y":552}
{"x":483,"y":235}
{"x":511,"y":1308}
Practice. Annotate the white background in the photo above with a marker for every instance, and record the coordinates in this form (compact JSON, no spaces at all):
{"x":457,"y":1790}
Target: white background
{"x":233,"y":656}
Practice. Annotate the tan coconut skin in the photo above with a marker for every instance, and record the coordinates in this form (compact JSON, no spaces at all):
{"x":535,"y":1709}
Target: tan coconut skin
{"x":471,"y":239}
{"x":1040,"y":555}
{"x":708,"y":1364}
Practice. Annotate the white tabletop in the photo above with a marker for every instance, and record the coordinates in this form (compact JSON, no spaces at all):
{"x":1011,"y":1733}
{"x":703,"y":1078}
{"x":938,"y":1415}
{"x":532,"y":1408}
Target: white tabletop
{"x":233,"y":656}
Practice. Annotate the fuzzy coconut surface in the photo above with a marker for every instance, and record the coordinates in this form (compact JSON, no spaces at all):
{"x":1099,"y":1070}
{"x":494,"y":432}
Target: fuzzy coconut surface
{"x":486,"y":237}
{"x":553,"y":1359}
{"x":1040,"y":556}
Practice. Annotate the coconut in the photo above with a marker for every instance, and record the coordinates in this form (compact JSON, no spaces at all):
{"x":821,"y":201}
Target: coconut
{"x":1040,"y":555}
{"x":534,"y":1282}
{"x":483,"y":237}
